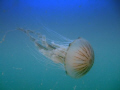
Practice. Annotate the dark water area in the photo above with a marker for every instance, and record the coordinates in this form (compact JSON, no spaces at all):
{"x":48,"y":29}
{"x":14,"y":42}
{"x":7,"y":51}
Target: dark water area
{"x":22,"y":67}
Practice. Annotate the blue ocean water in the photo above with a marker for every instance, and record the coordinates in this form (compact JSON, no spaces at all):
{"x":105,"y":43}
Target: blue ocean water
{"x":23,"y":68}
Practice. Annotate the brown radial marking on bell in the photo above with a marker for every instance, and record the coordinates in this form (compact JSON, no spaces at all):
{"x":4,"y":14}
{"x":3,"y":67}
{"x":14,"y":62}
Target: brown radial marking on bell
{"x":88,"y":48}
{"x":79,"y":58}
{"x":79,"y":65}
{"x":80,"y":72}
{"x":86,"y":71}
{"x":83,"y":48}
{"x":81,"y":69}
{"x":82,"y":54}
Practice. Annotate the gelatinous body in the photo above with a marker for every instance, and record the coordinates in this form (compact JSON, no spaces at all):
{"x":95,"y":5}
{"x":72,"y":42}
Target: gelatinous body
{"x":77,"y":56}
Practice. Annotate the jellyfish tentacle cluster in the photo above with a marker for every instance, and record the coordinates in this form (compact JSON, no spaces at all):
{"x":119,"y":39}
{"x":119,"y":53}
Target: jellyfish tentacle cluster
{"x":77,"y":56}
{"x":51,"y":50}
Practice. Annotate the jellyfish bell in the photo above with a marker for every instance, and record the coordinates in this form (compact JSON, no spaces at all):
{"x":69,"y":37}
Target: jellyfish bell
{"x":79,"y":58}
{"x":76,"y":56}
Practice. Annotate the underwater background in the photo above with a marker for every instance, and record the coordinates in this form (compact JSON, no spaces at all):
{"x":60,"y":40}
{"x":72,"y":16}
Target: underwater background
{"x":23,"y":68}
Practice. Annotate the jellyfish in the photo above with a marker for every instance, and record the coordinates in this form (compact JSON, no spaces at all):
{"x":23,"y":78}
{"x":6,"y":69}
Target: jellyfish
{"x":77,"y":56}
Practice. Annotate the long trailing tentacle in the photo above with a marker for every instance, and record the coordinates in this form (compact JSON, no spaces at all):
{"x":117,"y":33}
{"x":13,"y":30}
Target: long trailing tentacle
{"x":43,"y":43}
{"x":3,"y":38}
